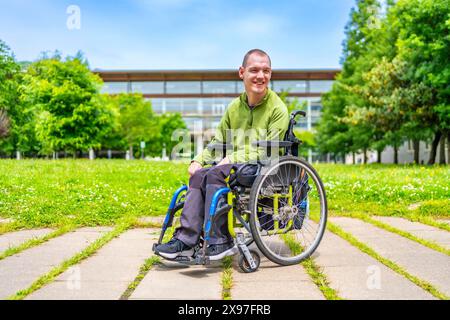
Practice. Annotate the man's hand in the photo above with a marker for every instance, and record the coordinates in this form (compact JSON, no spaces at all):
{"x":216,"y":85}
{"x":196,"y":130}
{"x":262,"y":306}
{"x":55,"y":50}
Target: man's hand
{"x":224,"y":161}
{"x":194,"y":167}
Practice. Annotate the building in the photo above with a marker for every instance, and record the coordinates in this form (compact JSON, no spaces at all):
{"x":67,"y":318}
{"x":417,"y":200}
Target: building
{"x":201,"y":96}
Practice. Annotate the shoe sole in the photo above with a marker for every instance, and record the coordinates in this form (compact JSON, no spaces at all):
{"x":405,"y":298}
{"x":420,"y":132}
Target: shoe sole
{"x":226,"y":253}
{"x":187,"y":253}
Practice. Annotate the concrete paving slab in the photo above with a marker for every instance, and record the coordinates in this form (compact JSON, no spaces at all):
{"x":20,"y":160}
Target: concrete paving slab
{"x":356,"y":275}
{"x":19,"y":271}
{"x":424,"y":263}
{"x":273,"y":282}
{"x":420,"y":230}
{"x":155,"y":219}
{"x":173,"y":281}
{"x":13,"y":239}
{"x":106,"y":274}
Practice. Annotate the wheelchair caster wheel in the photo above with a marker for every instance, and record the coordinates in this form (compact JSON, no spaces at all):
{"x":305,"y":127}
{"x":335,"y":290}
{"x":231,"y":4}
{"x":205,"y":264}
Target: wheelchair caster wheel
{"x":245,"y":266}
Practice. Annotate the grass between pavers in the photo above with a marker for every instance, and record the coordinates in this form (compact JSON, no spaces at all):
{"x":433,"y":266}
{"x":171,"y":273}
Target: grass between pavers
{"x":405,"y":234}
{"x":35,"y":242}
{"x":144,"y":269}
{"x":10,"y":227}
{"x":390,"y":264}
{"x":227,"y":277}
{"x":313,"y":270}
{"x":91,"y":249}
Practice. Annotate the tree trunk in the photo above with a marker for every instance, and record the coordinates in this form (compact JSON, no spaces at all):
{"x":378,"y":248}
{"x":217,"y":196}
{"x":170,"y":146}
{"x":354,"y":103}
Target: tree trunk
{"x":131,"y":153}
{"x":442,"y":150}
{"x":365,"y":156}
{"x":416,"y":146}
{"x":353,"y":157}
{"x":343,"y":158}
{"x":448,"y":148}
{"x":378,"y":156}
{"x":434,"y":144}
{"x":395,"y":154}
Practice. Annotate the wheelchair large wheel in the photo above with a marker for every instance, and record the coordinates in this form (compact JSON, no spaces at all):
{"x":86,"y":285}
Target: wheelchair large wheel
{"x":288,"y":211}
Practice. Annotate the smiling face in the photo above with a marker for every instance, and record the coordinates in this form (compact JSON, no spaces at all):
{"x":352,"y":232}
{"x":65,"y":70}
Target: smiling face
{"x":256,"y":74}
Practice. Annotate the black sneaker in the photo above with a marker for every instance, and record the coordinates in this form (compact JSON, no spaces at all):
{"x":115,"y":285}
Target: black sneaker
{"x":173,"y":249}
{"x":220,"y":251}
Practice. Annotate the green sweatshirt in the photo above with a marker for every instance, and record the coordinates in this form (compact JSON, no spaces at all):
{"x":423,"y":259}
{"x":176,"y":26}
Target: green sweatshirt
{"x":241,"y":125}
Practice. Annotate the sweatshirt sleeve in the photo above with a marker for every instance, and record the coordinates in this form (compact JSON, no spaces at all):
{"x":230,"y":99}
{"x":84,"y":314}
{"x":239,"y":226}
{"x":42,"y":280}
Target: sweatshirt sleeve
{"x":207,"y":156}
{"x":276,"y":130}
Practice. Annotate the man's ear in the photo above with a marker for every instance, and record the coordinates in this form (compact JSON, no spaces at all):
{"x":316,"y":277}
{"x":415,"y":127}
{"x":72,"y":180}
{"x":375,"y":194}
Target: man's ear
{"x":241,"y":72}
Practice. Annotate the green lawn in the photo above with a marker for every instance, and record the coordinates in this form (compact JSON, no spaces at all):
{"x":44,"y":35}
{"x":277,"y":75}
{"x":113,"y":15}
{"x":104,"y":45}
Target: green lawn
{"x":53,"y":193}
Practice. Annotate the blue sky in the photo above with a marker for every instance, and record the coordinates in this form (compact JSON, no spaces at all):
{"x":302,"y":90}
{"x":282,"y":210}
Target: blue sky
{"x":179,"y":34}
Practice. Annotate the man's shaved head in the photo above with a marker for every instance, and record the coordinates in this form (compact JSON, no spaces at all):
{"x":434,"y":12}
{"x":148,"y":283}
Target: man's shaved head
{"x":254,"y":51}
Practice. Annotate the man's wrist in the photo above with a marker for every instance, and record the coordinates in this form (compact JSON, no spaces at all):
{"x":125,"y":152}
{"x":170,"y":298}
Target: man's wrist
{"x":192,"y":161}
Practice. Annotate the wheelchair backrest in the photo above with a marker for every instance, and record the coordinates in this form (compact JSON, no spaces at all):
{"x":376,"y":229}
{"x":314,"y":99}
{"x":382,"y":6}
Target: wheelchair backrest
{"x":290,"y":135}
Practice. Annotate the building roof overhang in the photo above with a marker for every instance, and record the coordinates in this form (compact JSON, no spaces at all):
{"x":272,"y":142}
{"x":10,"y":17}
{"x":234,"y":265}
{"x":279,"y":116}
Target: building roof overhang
{"x":211,"y":75}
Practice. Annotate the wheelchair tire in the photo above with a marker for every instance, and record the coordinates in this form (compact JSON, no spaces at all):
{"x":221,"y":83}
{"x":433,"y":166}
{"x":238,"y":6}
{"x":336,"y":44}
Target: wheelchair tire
{"x":293,"y":243}
{"x":244,"y":265}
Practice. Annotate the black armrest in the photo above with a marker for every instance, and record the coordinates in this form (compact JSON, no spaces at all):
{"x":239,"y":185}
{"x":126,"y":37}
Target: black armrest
{"x":272,"y":143}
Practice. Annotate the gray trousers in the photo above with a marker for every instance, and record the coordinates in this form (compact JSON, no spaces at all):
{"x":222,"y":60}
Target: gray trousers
{"x":202,"y":186}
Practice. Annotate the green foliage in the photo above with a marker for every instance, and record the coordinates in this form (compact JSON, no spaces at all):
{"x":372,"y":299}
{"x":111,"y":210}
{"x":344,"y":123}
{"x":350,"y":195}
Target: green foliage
{"x":55,"y":105}
{"x":136,"y":119}
{"x":12,"y":113}
{"x":69,"y":113}
{"x":169,"y":124}
{"x":394,"y":82}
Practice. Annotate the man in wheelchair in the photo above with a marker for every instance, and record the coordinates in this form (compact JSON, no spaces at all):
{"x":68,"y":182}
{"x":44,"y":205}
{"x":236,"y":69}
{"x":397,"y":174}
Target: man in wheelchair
{"x":257,"y":110}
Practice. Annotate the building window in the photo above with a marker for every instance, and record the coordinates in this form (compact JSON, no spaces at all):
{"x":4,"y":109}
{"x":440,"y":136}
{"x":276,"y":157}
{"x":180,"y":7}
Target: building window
{"x":292,"y":86}
{"x":157,"y":105}
{"x":148,"y":87}
{"x":320,"y":86}
{"x":115,"y":87}
{"x":186,"y":106}
{"x":240,"y":87}
{"x":316,"y":107}
{"x":183,"y":87}
{"x":219,"y":87}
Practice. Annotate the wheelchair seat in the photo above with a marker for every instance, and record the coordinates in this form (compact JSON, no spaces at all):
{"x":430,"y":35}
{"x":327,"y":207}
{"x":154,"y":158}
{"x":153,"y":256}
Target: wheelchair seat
{"x":244,"y":176}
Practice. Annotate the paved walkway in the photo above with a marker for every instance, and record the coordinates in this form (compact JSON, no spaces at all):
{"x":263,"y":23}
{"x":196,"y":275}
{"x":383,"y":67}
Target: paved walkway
{"x":273,"y":282}
{"x":21,"y":270}
{"x":14,"y":239}
{"x":425,"y":263}
{"x":356,"y":275}
{"x":108,"y":272}
{"x":420,"y":230}
{"x":105,"y":275}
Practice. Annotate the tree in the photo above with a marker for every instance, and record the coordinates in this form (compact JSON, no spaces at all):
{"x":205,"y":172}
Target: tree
{"x":9,"y":97}
{"x":337,"y":133}
{"x":137,"y":120}
{"x":424,"y":45}
{"x":169,"y":123}
{"x":70,"y":115}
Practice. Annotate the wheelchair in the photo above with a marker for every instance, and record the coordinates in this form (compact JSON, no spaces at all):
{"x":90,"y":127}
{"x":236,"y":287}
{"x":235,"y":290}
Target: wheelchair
{"x":279,"y":204}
